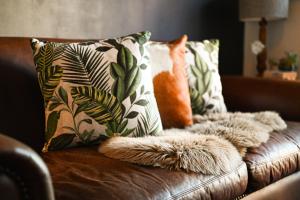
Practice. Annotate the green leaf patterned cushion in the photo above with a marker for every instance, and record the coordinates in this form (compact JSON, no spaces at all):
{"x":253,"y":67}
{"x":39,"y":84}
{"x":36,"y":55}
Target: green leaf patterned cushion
{"x":204,"y":79}
{"x":96,"y":89}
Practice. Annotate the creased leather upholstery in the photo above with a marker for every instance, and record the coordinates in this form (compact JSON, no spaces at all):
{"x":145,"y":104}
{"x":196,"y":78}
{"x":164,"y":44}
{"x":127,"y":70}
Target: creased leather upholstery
{"x":83,"y":173}
{"x":275,"y":159}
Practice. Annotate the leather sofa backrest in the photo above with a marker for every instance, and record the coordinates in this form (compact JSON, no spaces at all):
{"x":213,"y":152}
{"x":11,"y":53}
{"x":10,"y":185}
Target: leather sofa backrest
{"x":21,"y":102}
{"x":253,"y":94}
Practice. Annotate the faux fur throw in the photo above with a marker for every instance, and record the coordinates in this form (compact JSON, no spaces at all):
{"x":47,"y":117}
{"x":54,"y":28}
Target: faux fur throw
{"x":215,"y":143}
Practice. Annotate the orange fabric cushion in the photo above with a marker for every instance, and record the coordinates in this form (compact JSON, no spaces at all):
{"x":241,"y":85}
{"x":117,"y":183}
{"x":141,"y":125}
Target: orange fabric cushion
{"x":171,"y":89}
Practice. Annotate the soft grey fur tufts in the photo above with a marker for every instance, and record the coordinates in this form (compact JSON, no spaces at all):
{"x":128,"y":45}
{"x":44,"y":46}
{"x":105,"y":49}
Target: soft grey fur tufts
{"x":243,"y":130}
{"x":207,"y":154}
{"x":213,"y":145}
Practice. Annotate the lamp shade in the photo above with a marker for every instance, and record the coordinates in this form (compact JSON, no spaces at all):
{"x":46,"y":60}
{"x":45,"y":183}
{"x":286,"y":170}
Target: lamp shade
{"x":255,"y":10}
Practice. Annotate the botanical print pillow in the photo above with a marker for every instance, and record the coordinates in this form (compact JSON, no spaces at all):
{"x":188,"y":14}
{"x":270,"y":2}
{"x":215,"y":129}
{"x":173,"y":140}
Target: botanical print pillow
{"x":94,"y":90}
{"x":167,"y":61}
{"x":204,"y":79}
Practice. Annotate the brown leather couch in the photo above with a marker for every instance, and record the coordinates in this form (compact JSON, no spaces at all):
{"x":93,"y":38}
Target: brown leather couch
{"x":284,"y":189}
{"x":83,"y":173}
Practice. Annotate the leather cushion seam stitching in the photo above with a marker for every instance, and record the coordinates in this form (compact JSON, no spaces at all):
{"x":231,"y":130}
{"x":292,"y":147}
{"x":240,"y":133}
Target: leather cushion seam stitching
{"x":17,"y":178}
{"x":280,"y":158}
{"x":198,"y":187}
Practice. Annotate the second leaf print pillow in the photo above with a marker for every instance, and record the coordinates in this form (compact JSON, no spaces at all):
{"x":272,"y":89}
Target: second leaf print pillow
{"x":94,"y":90}
{"x":204,"y":78}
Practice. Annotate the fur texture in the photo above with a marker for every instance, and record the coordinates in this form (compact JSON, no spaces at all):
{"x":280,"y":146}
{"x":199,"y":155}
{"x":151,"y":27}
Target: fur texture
{"x":243,"y":130}
{"x":213,"y":145}
{"x":176,"y":149}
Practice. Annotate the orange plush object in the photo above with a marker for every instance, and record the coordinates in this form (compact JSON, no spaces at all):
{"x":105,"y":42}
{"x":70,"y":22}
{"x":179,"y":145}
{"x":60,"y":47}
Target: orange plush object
{"x":171,"y":88}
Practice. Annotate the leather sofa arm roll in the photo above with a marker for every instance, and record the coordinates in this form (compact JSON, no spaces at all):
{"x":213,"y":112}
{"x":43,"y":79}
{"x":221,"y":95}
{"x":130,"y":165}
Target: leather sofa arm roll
{"x":258,"y":94}
{"x":287,"y":189}
{"x":23,"y":174}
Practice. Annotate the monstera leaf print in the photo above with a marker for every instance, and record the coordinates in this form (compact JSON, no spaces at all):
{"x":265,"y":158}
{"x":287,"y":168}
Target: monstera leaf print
{"x":84,"y":66}
{"x":202,"y":84}
{"x":98,"y":104}
{"x":48,"y":75}
{"x":126,"y":73}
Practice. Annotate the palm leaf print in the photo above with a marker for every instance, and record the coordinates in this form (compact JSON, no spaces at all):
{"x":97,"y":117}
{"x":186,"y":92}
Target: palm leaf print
{"x":97,"y":104}
{"x":85,"y":66}
{"x":148,"y":123}
{"x":48,"y":75}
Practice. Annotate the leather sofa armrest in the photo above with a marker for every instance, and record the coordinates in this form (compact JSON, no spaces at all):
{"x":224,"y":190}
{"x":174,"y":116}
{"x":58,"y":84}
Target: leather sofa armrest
{"x":23,"y":174}
{"x":286,"y":188}
{"x":258,"y":94}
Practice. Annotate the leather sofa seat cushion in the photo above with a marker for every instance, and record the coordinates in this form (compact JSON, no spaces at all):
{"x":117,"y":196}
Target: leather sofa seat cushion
{"x":83,"y":173}
{"x":275,"y":159}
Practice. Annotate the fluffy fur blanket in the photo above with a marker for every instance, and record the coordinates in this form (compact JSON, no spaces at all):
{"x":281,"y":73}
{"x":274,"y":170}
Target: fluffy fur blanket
{"x":215,"y":143}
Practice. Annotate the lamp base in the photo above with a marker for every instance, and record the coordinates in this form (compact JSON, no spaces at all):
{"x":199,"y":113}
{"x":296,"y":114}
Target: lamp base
{"x":261,"y":66}
{"x":262,"y":56}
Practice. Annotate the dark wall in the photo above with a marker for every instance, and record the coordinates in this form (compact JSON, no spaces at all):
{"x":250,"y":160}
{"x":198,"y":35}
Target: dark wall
{"x":200,"y":19}
{"x":166,"y":19}
{"x":224,"y":24}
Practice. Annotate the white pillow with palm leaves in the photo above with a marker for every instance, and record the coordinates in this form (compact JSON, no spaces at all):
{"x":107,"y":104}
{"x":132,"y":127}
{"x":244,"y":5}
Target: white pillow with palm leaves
{"x":96,"y":89}
{"x":204,"y":80}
